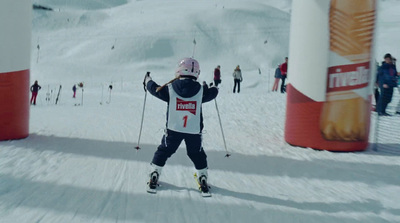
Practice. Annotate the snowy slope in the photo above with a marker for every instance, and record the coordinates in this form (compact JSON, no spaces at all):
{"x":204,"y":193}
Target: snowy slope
{"x":80,"y":164}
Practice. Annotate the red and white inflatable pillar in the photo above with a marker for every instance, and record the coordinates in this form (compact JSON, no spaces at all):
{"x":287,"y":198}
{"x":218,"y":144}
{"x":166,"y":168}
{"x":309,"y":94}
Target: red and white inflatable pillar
{"x":15,"y":50}
{"x":330,"y":74}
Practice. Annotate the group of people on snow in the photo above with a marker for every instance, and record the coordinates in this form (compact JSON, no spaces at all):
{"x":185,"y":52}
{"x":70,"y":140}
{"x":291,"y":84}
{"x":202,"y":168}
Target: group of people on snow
{"x":237,"y":77}
{"x":36,"y":87}
{"x":184,"y":120}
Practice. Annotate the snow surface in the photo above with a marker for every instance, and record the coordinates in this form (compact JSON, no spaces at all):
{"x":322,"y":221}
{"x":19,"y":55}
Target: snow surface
{"x":79,"y":163}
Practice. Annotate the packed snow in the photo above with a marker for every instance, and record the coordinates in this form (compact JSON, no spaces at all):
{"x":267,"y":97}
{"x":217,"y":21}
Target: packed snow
{"x":79,"y":163}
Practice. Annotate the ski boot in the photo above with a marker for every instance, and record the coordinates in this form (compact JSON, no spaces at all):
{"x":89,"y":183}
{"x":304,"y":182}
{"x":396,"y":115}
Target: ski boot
{"x":202,"y":182}
{"x":153,"y":182}
{"x":154,"y":176}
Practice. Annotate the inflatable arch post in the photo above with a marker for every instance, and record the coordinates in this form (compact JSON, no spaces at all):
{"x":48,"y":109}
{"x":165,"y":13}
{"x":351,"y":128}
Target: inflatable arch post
{"x":330,"y":74}
{"x":15,"y":50}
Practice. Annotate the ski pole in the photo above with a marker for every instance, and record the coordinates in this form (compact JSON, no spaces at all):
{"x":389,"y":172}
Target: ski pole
{"x":222,"y":130}
{"x":141,"y":124}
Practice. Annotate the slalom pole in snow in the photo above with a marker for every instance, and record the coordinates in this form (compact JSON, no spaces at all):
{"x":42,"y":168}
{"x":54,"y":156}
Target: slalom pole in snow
{"x":102,"y":93}
{"x":269,"y":78}
{"x":194,"y":46}
{"x":222,"y":130}
{"x":82,"y":98}
{"x":38,"y":52}
{"x":109,"y":97}
{"x":141,"y":124}
{"x":58,"y":95}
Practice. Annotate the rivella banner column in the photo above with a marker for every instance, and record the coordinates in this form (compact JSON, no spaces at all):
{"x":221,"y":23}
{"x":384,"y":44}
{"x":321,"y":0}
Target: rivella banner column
{"x":15,"y":49}
{"x":330,"y":74}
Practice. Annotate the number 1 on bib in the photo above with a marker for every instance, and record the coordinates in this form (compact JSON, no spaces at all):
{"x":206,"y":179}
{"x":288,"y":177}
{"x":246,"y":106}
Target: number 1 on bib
{"x":185,"y":118}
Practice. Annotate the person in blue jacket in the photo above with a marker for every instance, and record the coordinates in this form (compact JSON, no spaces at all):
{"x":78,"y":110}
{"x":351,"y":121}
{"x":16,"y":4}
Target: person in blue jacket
{"x":387,"y":80}
{"x":184,"y":96}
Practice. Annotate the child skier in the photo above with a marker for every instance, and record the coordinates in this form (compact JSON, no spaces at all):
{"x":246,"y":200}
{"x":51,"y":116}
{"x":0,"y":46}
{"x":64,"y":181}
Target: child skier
{"x":184,"y":96}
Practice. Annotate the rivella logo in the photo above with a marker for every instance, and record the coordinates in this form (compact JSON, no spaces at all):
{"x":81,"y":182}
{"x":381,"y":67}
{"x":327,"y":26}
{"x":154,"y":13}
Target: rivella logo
{"x":189,"y":106}
{"x":348,"y":77}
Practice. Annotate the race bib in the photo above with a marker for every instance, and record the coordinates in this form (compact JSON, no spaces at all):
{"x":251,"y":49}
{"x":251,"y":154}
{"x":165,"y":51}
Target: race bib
{"x":184,"y":113}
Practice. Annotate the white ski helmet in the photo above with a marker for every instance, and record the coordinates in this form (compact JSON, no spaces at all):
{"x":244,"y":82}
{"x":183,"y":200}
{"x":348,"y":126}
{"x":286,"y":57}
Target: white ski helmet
{"x":188,"y":67}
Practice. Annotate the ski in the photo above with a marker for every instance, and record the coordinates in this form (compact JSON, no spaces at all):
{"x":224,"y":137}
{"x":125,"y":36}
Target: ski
{"x":203,"y":187}
{"x":152,"y":190}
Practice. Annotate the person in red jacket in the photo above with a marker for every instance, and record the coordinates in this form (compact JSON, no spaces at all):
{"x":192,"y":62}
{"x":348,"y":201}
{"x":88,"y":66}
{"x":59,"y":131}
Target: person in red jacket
{"x":284,"y":68}
{"x":217,"y":75}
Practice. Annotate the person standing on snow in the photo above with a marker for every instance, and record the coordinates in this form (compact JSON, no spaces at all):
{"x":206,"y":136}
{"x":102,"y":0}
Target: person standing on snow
{"x":184,"y":96}
{"x":277,"y":78}
{"x":74,"y":90}
{"x":237,"y":78}
{"x":35,"y":90}
{"x":387,"y":80}
{"x":217,"y":75}
{"x":284,"y":68}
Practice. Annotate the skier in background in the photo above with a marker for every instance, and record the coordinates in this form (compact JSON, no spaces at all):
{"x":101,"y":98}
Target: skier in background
{"x":284,"y":68}
{"x":35,"y":89}
{"x":278,"y":77}
{"x":387,"y":80}
{"x":74,"y":90}
{"x":237,"y":78}
{"x":184,"y":96}
{"x":217,"y":75}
